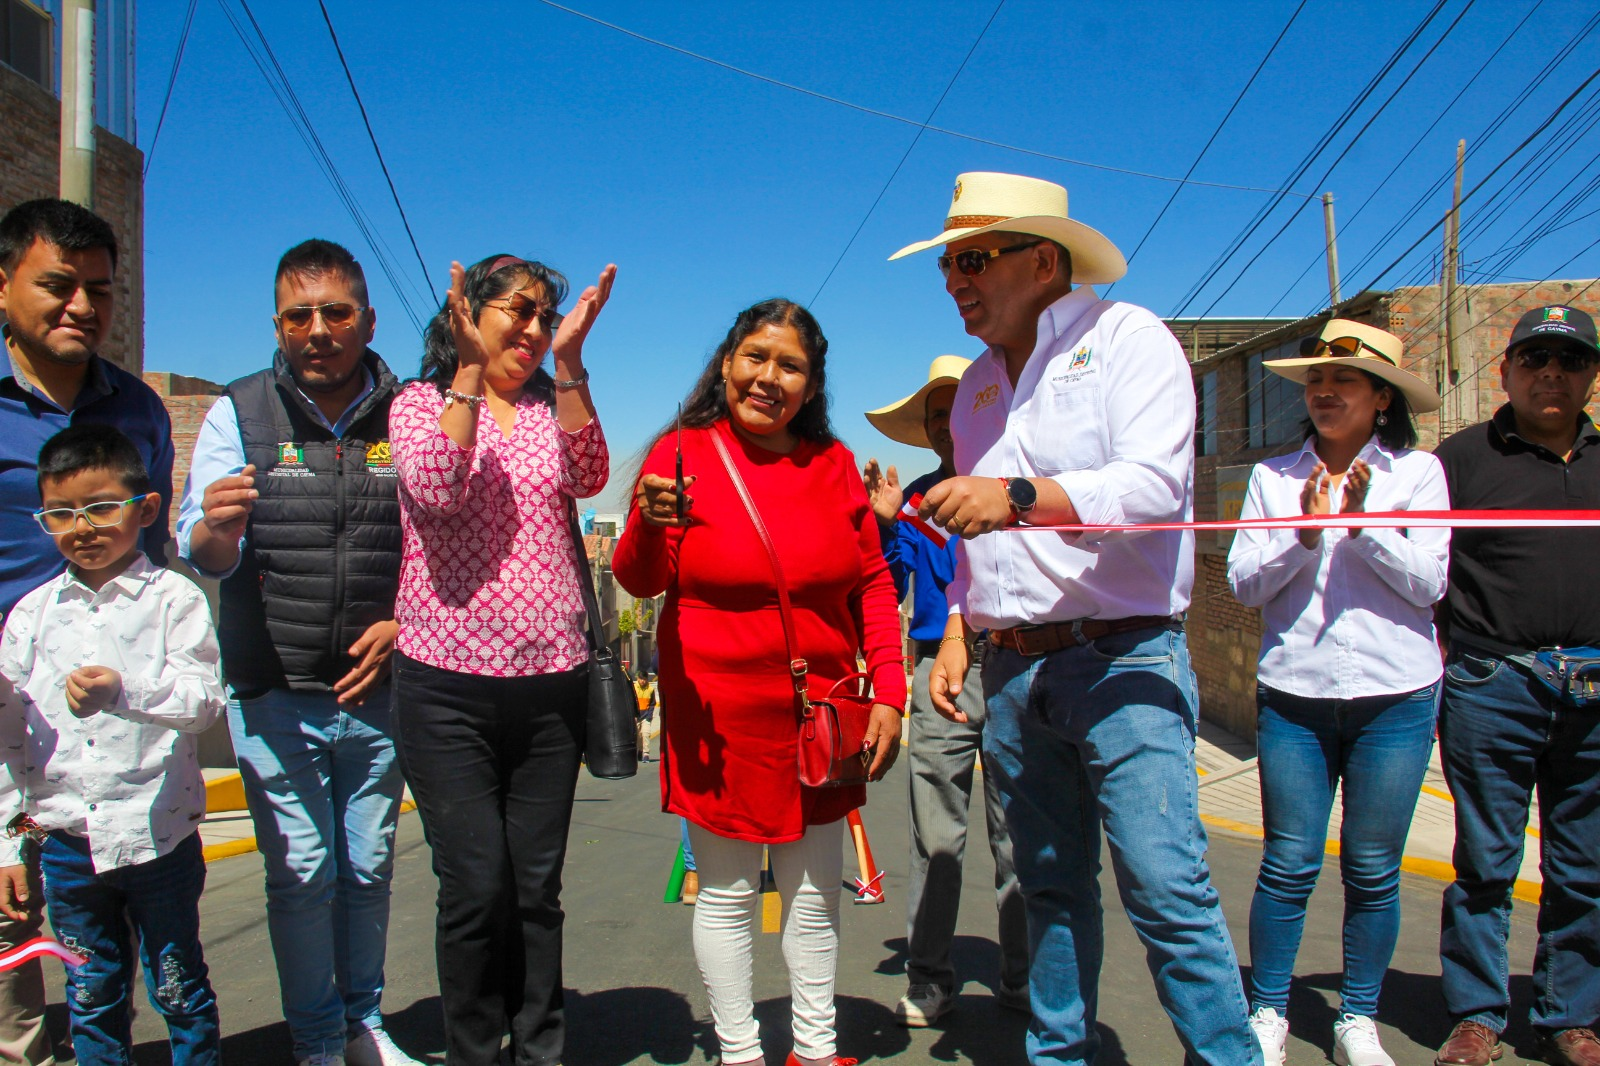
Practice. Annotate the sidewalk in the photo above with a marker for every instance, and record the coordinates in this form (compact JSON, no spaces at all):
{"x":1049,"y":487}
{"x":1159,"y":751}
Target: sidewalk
{"x":1233,"y":804}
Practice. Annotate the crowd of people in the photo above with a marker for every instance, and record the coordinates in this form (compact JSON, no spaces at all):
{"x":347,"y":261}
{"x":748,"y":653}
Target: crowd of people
{"x":401,"y":604}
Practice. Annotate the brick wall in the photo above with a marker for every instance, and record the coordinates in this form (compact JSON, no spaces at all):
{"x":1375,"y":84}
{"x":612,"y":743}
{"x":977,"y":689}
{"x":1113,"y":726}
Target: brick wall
{"x":30,"y":167}
{"x":188,"y":401}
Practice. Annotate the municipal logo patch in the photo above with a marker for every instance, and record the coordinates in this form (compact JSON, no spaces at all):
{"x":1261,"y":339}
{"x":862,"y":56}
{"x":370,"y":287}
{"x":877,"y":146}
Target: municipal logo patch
{"x":378,"y":454}
{"x":290,"y":453}
{"x":1080,"y":359}
{"x":1555,"y":314}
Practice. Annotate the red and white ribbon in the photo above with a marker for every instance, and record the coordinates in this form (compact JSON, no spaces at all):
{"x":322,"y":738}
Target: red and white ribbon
{"x":38,"y":948}
{"x":1363,"y":520}
{"x":908,"y":514}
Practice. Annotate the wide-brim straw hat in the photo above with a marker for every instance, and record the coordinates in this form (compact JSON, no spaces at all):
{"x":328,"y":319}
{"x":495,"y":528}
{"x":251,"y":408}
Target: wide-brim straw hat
{"x":1379,"y":355}
{"x":903,"y":421}
{"x":984,"y":201}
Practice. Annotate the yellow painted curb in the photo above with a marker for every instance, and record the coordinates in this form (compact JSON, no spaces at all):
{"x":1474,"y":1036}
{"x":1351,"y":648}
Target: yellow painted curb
{"x":225,"y":794}
{"x":227,"y":849}
{"x":1526,"y":891}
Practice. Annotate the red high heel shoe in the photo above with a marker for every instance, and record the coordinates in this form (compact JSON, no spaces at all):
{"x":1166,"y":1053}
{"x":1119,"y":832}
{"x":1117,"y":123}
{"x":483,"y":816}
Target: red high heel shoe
{"x":838,"y":1060}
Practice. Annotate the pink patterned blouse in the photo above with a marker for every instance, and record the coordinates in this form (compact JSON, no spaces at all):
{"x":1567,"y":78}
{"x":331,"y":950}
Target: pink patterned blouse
{"x":489,"y":579}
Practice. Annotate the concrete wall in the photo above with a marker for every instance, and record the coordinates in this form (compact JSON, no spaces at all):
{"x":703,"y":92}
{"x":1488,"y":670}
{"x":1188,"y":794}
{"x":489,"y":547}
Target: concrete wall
{"x":30,"y":167}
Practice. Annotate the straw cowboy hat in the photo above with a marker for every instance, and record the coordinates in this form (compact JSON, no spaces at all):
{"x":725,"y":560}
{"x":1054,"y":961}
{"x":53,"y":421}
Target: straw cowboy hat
{"x":1373,"y":350}
{"x":985,"y":201}
{"x":903,"y":421}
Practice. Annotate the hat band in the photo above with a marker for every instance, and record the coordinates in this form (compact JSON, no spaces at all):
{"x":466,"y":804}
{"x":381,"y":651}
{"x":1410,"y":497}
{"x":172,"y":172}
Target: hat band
{"x":972,"y":221}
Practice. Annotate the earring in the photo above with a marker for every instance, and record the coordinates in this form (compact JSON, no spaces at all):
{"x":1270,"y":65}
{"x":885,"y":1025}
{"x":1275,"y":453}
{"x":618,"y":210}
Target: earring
{"x":1383,"y":419}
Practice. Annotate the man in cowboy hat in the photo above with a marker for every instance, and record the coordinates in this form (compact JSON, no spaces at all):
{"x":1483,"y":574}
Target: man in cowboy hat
{"x":943,"y":751}
{"x":1080,"y":411}
{"x":1502,"y":733}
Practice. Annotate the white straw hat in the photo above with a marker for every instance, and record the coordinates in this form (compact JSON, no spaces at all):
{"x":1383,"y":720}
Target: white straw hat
{"x":1379,"y":355}
{"x":903,"y":421}
{"x":985,"y":201}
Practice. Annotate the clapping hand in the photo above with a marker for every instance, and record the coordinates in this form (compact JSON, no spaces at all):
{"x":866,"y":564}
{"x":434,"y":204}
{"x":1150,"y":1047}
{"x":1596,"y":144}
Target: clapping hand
{"x":575,"y":327}
{"x":883,"y":490}
{"x":470,"y":349}
{"x":1355,"y":490}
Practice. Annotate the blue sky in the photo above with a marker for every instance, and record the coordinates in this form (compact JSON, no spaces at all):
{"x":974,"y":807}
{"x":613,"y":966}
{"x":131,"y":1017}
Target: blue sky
{"x":517,"y":127}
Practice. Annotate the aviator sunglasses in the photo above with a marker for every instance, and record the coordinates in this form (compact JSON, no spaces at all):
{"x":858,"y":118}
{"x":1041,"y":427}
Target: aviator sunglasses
{"x":524,"y":310}
{"x":334,"y":316}
{"x":1345,"y":348}
{"x":60,"y":520}
{"x":973,"y":261}
{"x":1572,"y":360}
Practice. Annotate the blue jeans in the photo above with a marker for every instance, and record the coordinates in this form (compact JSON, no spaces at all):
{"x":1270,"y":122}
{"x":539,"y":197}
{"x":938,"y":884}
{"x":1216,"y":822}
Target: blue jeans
{"x":1102,"y":735}
{"x":91,"y":912}
{"x":1503,"y":735}
{"x":324,"y":791}
{"x":1378,"y":746}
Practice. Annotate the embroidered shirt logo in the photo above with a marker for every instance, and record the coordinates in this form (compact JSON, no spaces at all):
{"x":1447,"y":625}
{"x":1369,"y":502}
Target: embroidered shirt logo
{"x":1080,"y":359}
{"x":380,"y":459}
{"x":987,"y":397}
{"x":291,"y":454}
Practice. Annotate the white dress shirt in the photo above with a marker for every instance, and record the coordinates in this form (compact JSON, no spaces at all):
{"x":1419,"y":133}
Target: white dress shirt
{"x":1105,"y":408}
{"x":1353,"y":616}
{"x":128,"y":778}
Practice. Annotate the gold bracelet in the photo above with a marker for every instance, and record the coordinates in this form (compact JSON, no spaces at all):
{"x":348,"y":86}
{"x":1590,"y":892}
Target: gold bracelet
{"x":942,"y":640}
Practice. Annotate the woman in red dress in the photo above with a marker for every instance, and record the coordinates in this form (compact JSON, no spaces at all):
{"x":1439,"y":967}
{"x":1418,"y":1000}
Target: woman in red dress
{"x":730,"y":738}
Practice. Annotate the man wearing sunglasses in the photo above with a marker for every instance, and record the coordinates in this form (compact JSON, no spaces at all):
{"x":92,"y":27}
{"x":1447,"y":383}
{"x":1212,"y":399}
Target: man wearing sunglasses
{"x":57,"y":297}
{"x":1503,"y":736}
{"x":1081,"y":410}
{"x":291,"y":501}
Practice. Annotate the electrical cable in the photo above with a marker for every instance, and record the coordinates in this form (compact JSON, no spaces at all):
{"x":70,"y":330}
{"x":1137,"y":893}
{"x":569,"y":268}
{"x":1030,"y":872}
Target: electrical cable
{"x":404,"y":221}
{"x":892,"y":116}
{"x":1322,"y":144}
{"x":1214,"y":134}
{"x":907,"y":153}
{"x":172,"y":80}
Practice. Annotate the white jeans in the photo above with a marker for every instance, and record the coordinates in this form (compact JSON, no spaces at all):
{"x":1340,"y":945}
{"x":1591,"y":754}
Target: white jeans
{"x":808,"y":873}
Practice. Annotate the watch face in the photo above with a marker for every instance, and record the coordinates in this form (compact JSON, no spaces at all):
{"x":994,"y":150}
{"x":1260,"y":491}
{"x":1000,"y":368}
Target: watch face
{"x":1023,"y":494}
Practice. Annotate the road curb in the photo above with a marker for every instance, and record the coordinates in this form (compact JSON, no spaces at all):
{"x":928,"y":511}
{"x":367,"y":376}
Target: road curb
{"x":227,"y":849}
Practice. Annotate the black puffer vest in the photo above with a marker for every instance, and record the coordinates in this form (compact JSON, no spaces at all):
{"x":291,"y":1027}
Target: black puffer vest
{"x":321,"y":559}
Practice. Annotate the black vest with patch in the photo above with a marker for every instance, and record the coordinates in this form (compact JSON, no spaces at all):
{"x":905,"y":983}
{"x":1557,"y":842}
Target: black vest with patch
{"x":321,"y":558}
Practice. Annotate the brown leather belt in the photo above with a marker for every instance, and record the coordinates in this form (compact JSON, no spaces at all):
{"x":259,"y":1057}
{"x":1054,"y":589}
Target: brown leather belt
{"x":1053,"y":636}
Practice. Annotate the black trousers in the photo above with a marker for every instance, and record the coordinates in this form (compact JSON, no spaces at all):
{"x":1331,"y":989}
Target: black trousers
{"x":492,"y":763}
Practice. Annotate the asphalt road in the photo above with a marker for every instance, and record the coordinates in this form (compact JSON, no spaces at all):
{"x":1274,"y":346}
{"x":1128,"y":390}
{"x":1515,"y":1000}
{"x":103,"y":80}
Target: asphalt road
{"x":634,"y":994}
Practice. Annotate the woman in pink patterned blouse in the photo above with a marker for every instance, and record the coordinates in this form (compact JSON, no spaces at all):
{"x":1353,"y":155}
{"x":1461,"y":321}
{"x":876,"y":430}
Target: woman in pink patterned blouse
{"x":490,"y":665}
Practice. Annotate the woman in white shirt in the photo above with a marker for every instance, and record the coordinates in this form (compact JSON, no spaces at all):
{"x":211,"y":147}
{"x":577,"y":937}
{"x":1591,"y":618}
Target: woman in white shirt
{"x":1349,"y":672}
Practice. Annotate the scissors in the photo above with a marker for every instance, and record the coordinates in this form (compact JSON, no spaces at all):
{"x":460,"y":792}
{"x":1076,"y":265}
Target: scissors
{"x":680,"y":462}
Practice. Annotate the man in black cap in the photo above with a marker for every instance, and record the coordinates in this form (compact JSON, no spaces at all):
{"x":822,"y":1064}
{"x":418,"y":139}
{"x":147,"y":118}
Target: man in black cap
{"x":1503,"y":733}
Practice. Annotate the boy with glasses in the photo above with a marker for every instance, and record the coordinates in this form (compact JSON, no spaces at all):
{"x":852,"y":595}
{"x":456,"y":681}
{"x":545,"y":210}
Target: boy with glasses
{"x":107,"y":673}
{"x":291,"y":502}
{"x":1502,"y":735}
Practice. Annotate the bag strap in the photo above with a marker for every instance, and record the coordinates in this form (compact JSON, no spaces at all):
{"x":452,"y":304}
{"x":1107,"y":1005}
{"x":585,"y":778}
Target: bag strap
{"x":797,"y":665}
{"x":591,"y":602}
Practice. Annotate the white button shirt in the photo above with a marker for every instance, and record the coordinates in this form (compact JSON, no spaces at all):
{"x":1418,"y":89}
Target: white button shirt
{"x":1105,"y":408}
{"x":1353,"y":616}
{"x":128,"y":778}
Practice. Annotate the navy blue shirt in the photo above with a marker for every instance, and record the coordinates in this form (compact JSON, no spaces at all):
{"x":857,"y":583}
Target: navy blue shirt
{"x":908,"y":551}
{"x":110,"y":396}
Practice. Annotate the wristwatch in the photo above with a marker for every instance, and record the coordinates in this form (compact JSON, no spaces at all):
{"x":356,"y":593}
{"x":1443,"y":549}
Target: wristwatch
{"x":1022,"y":496}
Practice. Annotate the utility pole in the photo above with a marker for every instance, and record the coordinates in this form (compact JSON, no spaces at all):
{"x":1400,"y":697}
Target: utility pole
{"x":77,"y":102}
{"x":1452,"y":268}
{"x":1333,"y":249}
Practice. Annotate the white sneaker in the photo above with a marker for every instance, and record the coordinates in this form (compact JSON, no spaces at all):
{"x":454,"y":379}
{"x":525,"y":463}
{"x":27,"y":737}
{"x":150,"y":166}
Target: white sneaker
{"x":374,"y":1048}
{"x":1272,"y":1033}
{"x":1355,"y":1043}
{"x":922,"y":1005}
{"x":323,"y":1058}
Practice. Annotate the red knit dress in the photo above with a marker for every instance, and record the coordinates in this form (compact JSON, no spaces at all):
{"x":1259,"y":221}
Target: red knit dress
{"x":728,"y":709}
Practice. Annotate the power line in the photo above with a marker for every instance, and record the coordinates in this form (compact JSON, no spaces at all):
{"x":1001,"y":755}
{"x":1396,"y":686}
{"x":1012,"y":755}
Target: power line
{"x":404,"y":221}
{"x":907,"y":153}
{"x":172,"y":80}
{"x":1212,"y":139}
{"x":1317,"y":149}
{"x":892,"y":116}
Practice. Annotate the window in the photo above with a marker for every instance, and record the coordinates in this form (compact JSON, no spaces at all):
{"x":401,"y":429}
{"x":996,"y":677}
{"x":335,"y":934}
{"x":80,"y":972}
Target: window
{"x":25,"y":41}
{"x":1275,"y":406}
{"x":1206,"y":415}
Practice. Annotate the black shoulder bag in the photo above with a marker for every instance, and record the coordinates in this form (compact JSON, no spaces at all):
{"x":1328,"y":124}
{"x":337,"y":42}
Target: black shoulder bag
{"x":610,"y":743}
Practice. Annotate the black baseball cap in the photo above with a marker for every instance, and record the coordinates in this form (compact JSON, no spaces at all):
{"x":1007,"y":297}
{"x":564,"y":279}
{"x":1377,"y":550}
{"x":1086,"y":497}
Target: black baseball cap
{"x":1556,"y":321}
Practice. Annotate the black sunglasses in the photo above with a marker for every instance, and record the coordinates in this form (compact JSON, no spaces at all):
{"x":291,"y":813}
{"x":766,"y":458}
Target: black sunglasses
{"x":973,"y":261}
{"x":1572,"y":359}
{"x":525,"y":310}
